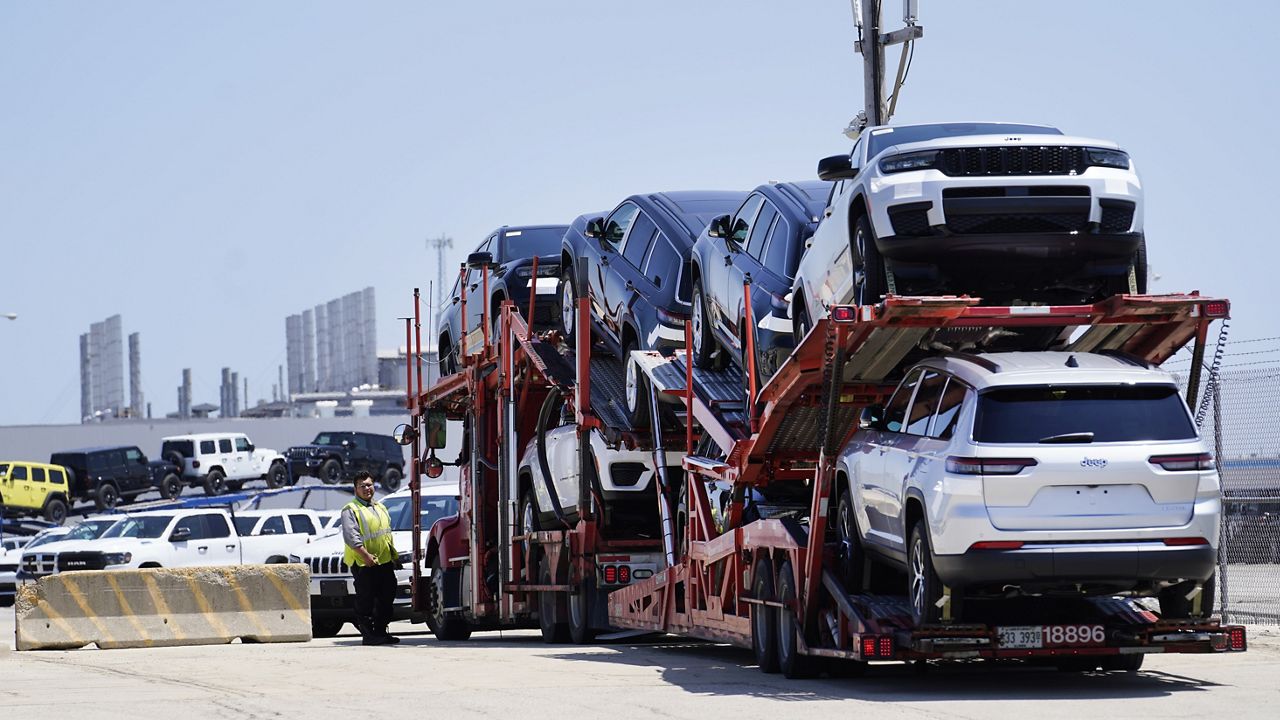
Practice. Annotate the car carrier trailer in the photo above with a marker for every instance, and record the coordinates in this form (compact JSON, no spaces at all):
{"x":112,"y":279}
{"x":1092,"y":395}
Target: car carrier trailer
{"x":772,"y":584}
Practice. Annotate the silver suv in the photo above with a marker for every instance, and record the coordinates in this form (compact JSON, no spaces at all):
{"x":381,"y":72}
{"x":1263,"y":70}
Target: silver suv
{"x":1039,"y":473}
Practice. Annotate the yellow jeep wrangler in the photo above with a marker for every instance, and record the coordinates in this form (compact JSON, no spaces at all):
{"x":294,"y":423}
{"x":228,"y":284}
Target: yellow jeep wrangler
{"x":32,"y":488}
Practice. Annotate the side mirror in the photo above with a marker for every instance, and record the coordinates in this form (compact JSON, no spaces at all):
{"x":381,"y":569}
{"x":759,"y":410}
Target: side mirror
{"x":719,"y":227}
{"x":346,"y":443}
{"x":404,"y":434}
{"x":595,"y":228}
{"x":478,"y":260}
{"x":252,"y":447}
{"x":433,"y":467}
{"x":836,"y":167}
{"x":872,"y":417}
{"x":180,"y":534}
{"x":437,"y":435}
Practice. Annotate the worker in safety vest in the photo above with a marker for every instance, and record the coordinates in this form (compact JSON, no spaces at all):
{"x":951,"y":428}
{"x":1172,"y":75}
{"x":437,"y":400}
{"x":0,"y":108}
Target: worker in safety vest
{"x":371,"y":555}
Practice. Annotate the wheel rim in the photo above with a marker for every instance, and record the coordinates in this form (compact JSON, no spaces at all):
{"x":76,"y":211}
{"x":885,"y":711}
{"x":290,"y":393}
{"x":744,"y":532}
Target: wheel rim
{"x":697,"y":320}
{"x":846,"y":523}
{"x":566,"y":305}
{"x":633,"y":384}
{"x":860,"y":276}
{"x":526,"y":519}
{"x":917,"y":577}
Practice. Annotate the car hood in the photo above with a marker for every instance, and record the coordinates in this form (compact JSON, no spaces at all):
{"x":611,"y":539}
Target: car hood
{"x":1002,"y":139}
{"x":68,"y":546}
{"x":332,"y":544}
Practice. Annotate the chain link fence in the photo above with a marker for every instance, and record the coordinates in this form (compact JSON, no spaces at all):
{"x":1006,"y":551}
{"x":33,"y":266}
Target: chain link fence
{"x":1239,"y":419}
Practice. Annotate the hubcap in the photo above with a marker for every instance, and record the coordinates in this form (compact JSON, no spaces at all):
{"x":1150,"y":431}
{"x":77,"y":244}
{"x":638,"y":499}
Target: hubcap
{"x":917,"y":578}
{"x":697,"y":322}
{"x":566,"y":305}
{"x":527,"y":520}
{"x":633,"y":382}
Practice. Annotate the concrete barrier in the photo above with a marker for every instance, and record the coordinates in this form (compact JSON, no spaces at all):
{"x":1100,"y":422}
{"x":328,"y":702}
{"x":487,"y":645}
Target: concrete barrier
{"x":165,"y":606}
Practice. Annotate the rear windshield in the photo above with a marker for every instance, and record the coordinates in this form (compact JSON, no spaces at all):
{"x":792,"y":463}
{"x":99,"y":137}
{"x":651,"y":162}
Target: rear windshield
{"x":521,"y":244}
{"x":149,"y":526}
{"x":1113,"y":413}
{"x":75,"y":461}
{"x":185,"y":448}
{"x":888,"y":137}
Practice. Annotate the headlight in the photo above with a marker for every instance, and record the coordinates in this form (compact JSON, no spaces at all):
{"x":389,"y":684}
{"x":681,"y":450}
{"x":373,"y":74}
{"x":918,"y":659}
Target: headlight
{"x":117,"y":558}
{"x":295,"y":559}
{"x":909,"y":161}
{"x":548,"y":270}
{"x":1101,"y":157}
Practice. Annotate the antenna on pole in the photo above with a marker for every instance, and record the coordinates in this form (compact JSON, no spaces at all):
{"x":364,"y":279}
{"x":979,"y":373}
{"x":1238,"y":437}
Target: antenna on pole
{"x":877,"y":106}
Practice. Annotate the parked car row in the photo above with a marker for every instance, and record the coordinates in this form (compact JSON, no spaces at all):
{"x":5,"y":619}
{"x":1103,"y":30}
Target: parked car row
{"x":215,"y":462}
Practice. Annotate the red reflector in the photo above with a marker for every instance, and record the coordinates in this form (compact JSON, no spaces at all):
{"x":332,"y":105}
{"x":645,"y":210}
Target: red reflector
{"x":886,"y":646}
{"x":1236,"y":633}
{"x":843,"y":313}
{"x":1217,"y":308}
{"x":611,"y":574}
{"x":988,"y":466}
{"x":1182,"y":463}
{"x":1186,"y":541}
{"x":195,"y":463}
{"x":869,"y":646}
{"x":996,"y":545}
{"x":624,"y":574}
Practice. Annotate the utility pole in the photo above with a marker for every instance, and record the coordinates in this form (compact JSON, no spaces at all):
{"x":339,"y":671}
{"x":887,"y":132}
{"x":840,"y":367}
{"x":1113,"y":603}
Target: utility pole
{"x":439,"y":244}
{"x":877,"y":107}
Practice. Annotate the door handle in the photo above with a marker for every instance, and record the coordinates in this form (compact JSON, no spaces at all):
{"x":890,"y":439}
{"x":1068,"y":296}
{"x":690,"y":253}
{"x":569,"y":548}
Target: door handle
{"x":604,"y":260}
{"x":728,"y":260}
{"x":231,"y":547}
{"x":202,"y":548}
{"x":630,"y":286}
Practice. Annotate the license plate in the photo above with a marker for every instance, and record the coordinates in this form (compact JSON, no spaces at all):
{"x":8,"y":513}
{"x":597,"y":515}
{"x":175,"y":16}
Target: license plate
{"x":333,"y":588}
{"x":1044,"y":636}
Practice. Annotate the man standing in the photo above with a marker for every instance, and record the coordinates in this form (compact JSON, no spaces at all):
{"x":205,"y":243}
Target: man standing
{"x":371,"y":555}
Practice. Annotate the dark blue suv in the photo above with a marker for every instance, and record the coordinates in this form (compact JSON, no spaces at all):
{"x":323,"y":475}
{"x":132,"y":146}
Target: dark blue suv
{"x":510,"y":250}
{"x":761,"y":243}
{"x":638,"y":279}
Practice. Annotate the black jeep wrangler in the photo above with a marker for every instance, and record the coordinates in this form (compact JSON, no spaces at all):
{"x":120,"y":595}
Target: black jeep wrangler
{"x":336,"y":457}
{"x":111,"y":475}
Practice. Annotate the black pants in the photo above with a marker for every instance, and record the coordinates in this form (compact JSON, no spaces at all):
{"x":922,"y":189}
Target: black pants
{"x":375,"y":594}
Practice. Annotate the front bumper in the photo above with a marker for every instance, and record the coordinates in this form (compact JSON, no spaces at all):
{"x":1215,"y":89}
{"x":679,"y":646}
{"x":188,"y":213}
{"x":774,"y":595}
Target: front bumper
{"x":1065,"y":564}
{"x":335,"y":596}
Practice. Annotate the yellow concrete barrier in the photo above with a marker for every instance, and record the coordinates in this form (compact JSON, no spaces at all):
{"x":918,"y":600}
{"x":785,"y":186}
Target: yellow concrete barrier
{"x":165,"y":606}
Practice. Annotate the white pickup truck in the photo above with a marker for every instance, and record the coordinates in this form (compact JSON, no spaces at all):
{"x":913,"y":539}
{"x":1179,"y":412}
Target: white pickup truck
{"x":333,"y":590}
{"x":182,"y":538}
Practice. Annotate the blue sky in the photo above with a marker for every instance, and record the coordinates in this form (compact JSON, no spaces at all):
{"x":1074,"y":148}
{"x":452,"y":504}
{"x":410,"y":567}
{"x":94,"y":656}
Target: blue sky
{"x":205,"y":169}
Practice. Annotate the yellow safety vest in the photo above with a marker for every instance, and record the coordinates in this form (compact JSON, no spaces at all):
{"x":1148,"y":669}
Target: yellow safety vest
{"x":375,"y":530}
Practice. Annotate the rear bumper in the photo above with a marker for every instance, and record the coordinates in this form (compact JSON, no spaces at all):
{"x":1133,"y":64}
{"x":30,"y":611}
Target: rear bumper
{"x":1048,"y":564}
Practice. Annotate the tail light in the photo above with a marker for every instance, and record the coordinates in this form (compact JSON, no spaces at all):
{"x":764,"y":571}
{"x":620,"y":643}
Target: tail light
{"x":997,"y":545}
{"x":988,"y":466}
{"x":611,"y":574}
{"x":624,"y":574}
{"x":1236,"y":634}
{"x":844,"y":313}
{"x":877,"y":647}
{"x":1184,"y":541}
{"x":670,"y":318}
{"x":1183,"y":463}
{"x":1217,"y":308}
{"x":195,"y":463}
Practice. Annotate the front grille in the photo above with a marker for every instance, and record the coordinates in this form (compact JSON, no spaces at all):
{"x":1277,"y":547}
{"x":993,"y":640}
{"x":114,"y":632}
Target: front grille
{"x":327,"y":566}
{"x":80,"y":561}
{"x":1015,"y":160}
{"x":1016,"y":191}
{"x":39,"y":563}
{"x":999,"y":223}
{"x":1117,"y":216}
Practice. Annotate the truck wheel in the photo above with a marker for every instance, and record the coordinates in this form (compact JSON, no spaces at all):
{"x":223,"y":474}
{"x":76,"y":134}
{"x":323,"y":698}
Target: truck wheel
{"x":873,"y":283}
{"x":175,"y":458}
{"x":704,"y":340}
{"x":330,"y":472}
{"x":637,"y":390}
{"x":215,"y":483}
{"x":55,"y":511}
{"x":764,"y":619}
{"x":799,"y":320}
{"x":790,"y":661}
{"x":326,"y":627}
{"x":277,"y":476}
{"x":528,"y":524}
{"x":924,"y":589}
{"x":171,"y":487}
{"x":391,"y":480}
{"x":107,"y":496}
{"x":852,"y":558}
{"x":551,"y":606}
{"x":568,"y":306}
{"x":1122,"y":663}
{"x":1174,"y":604}
{"x":445,"y":626}
{"x":581,"y":605}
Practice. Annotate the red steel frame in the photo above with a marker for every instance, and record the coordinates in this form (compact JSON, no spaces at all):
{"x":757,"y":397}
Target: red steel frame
{"x":707,"y":595}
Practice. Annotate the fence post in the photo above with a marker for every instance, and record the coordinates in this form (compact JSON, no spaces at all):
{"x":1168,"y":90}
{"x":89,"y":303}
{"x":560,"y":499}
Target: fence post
{"x":1222,"y":525}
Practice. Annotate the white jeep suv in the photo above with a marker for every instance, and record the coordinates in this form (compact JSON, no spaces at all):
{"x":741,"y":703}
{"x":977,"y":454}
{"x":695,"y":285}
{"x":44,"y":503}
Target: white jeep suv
{"x":1032,"y":473}
{"x":999,"y":210}
{"x":223,"y":461}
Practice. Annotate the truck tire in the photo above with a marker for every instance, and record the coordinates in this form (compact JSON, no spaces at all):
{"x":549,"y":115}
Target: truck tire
{"x":792,"y":664}
{"x":581,"y":608}
{"x":175,"y":457}
{"x":1122,"y":663}
{"x":277,"y":476}
{"x":852,"y":558}
{"x":1174,"y":604}
{"x":170,"y":486}
{"x":764,"y":618}
{"x":330,"y":472}
{"x":636,"y":389}
{"x":326,"y":627}
{"x":704,"y":340}
{"x":873,"y":271}
{"x":924,"y":589}
{"x":106,"y":497}
{"x":528,"y":525}
{"x":391,"y":479}
{"x":445,"y":626}
{"x":55,"y":511}
{"x":568,"y":305}
{"x":215,"y":483}
{"x":551,"y":606}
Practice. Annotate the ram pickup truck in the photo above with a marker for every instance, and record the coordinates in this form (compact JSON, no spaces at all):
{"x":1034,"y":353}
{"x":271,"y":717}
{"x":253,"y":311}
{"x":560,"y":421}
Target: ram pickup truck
{"x":175,"y":538}
{"x":332,"y":589}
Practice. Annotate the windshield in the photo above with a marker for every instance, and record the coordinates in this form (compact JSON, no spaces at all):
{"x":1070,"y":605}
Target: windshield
{"x":1113,"y":413}
{"x":146,"y":527}
{"x":888,"y":137}
{"x":434,"y":507}
{"x":44,"y":538}
{"x":4,"y":468}
{"x":329,"y":439}
{"x":90,"y":529}
{"x":519,"y":244}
